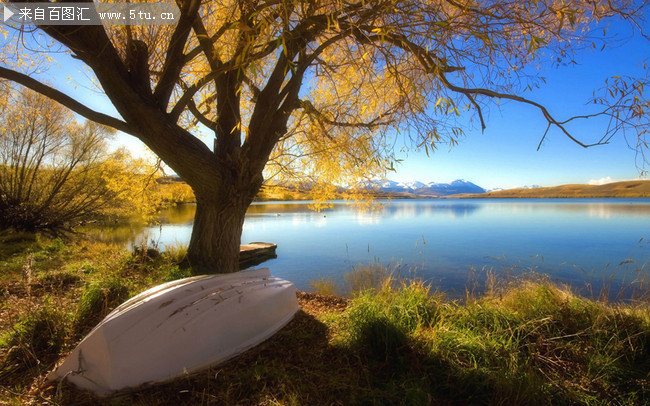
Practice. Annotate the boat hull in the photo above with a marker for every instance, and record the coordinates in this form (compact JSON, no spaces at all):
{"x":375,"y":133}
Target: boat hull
{"x":178,"y":328}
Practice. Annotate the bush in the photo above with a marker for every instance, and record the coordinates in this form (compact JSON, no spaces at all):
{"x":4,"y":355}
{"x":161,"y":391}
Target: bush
{"x":370,"y":277}
{"x":13,"y":243}
{"x":56,"y":173}
{"x":60,"y":280}
{"x":57,"y":245}
{"x":175,"y":253}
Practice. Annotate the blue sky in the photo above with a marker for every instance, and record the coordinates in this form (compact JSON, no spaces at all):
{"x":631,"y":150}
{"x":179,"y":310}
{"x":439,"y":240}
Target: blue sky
{"x":504,"y":155}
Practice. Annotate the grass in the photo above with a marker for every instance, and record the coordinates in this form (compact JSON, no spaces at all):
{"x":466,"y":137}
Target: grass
{"x":392,"y":342}
{"x":97,"y":300}
{"x":34,"y":342}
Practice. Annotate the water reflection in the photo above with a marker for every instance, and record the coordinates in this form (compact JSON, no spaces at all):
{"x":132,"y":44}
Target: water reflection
{"x":300,"y":212}
{"x":410,"y":209}
{"x":180,"y":214}
{"x":601,"y":208}
{"x":122,"y":234}
{"x":385,"y":209}
{"x":572,"y":240}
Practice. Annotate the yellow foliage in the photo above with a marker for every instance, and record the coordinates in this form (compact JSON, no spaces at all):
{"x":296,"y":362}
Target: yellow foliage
{"x":350,"y":76}
{"x":135,"y":189}
{"x":174,"y":193}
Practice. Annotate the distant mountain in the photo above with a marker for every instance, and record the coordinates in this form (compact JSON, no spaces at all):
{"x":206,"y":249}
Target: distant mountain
{"x":446,"y":189}
{"x":415,"y":185}
{"x":389,"y":186}
{"x":427,"y":189}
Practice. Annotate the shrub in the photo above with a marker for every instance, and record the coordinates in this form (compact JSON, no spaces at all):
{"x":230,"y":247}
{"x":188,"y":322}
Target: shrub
{"x":56,"y":173}
{"x":57,"y":245}
{"x":12,"y":243}
{"x":175,"y":253}
{"x":535,"y":299}
{"x":60,"y":279}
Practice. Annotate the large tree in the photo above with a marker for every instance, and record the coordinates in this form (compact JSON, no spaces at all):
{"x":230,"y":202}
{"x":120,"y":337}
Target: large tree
{"x":322,"y":85}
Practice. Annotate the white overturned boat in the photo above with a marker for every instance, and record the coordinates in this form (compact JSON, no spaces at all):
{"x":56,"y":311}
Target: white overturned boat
{"x":179,"y":327}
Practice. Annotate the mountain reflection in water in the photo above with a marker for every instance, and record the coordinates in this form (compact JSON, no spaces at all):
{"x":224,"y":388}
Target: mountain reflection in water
{"x":576,"y":241}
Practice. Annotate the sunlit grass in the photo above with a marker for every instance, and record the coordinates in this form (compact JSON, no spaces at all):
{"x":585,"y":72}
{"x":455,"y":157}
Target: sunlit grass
{"x":522,"y":340}
{"x":324,"y":286}
{"x":175,"y":253}
{"x":98,"y":299}
{"x":532,"y":339}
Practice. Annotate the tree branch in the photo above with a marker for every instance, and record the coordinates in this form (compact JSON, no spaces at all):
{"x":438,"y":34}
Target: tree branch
{"x":205,"y":44}
{"x":435,"y":65}
{"x":252,"y":86}
{"x":189,"y":94}
{"x":65,"y":100}
{"x":497,"y":95}
{"x":310,"y":109}
{"x":199,"y":116}
{"x":174,"y":60}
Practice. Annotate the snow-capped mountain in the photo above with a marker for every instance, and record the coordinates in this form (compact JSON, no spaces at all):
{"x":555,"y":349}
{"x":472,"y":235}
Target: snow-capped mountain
{"x":387,"y":186}
{"x":428,"y":189}
{"x":415,"y":185}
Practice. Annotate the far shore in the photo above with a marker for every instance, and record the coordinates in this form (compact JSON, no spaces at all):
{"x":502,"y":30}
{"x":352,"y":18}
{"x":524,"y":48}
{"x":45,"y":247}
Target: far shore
{"x":627,"y":189}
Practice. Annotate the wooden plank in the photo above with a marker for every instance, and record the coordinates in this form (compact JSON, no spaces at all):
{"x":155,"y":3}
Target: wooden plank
{"x":255,"y":253}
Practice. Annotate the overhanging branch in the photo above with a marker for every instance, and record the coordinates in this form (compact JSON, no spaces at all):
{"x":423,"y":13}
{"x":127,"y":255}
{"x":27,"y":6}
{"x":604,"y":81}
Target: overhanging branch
{"x":189,"y":93}
{"x":174,"y":60}
{"x":310,"y":109}
{"x":437,"y":66}
{"x":199,"y":116}
{"x":65,"y":100}
{"x":497,"y":95}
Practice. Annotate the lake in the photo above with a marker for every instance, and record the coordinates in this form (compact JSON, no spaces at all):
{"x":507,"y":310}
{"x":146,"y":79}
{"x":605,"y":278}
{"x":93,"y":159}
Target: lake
{"x":451,"y":243}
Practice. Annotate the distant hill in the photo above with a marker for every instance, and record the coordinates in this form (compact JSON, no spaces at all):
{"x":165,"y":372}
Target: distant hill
{"x":431,"y":189}
{"x":634,"y":188}
{"x":378,"y":189}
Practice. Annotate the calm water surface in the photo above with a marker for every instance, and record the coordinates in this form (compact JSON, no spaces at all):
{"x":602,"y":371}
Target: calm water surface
{"x":448,"y":242}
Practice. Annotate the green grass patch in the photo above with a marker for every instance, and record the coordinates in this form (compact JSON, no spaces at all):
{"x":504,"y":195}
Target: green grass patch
{"x":13,"y":243}
{"x":530,"y":341}
{"x":394,"y":342}
{"x":98,"y":299}
{"x":175,"y":253}
{"x":35,"y":341}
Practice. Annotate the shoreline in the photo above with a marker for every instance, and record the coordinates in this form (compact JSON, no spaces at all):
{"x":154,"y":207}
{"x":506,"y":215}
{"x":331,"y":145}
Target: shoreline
{"x":399,"y":341}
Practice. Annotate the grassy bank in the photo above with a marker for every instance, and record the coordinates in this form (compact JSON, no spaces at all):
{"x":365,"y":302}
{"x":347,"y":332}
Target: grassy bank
{"x":636,"y":188}
{"x":530,"y":342}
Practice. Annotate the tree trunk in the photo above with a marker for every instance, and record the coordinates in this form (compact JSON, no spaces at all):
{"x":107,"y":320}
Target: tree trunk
{"x":216,"y":236}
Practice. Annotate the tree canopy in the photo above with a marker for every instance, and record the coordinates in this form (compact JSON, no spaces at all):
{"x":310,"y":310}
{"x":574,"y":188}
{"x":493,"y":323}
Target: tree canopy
{"x":320,"y":88}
